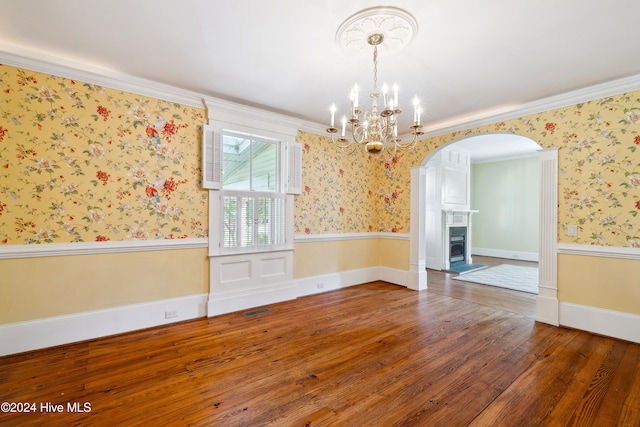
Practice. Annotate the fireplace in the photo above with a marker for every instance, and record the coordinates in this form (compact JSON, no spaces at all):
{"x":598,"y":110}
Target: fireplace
{"x":457,"y":245}
{"x":456,"y":238}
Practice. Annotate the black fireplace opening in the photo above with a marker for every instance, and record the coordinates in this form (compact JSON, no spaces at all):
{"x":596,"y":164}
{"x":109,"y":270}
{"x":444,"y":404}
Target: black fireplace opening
{"x":457,"y":245}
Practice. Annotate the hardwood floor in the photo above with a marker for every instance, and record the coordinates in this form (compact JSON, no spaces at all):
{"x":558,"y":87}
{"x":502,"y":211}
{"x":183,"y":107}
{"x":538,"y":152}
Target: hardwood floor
{"x":506,"y":299}
{"x":369,"y":355}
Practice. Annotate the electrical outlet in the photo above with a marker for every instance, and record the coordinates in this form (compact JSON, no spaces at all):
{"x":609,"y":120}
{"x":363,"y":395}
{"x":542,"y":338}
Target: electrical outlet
{"x":572,"y":230}
{"x":170,"y":314}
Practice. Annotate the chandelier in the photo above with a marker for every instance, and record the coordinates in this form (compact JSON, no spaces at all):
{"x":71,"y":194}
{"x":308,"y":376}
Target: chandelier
{"x":376,"y":129}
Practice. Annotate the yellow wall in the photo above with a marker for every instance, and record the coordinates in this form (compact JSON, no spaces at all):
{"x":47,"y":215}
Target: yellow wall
{"x":34,"y":288}
{"x":318,"y":258}
{"x":393,"y":253}
{"x":607,"y":283}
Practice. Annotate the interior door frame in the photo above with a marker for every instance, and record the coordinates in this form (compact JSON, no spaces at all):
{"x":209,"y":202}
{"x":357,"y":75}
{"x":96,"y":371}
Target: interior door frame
{"x":547,"y":307}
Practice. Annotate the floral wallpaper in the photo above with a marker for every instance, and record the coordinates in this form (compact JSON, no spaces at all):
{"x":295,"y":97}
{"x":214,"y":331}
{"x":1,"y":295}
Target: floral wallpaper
{"x":336,"y":195}
{"x":599,"y":176}
{"x":80,"y":163}
{"x":352,"y":192}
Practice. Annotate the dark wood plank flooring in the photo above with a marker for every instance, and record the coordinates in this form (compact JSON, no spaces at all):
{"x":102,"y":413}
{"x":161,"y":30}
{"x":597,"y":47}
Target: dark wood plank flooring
{"x":369,"y":355}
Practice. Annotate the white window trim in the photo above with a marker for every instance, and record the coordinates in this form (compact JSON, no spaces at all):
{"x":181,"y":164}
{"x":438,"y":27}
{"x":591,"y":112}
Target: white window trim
{"x":260,"y":126}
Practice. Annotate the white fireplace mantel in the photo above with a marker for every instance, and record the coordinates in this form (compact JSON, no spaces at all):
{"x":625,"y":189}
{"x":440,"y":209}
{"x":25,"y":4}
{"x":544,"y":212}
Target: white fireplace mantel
{"x":460,"y":211}
{"x":458,"y":216}
{"x":453,"y":218}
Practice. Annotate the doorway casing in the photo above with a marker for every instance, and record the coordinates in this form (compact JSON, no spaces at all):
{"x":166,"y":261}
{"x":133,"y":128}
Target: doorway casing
{"x":547,"y":308}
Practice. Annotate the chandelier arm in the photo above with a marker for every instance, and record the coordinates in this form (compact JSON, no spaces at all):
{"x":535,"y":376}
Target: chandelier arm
{"x":411,"y":144}
{"x":358,"y":133}
{"x":341,"y":142}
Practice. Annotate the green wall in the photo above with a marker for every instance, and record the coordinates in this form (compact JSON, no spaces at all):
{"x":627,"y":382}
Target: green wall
{"x":506,"y":194}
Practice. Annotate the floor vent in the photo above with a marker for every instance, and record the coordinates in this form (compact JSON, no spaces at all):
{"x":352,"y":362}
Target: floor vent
{"x":256,"y":312}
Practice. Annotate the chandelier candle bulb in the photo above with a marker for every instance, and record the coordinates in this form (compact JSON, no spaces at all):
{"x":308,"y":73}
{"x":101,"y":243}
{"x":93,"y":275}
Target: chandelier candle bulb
{"x":344,"y":125}
{"x":353,"y":106}
{"x":333,"y":114}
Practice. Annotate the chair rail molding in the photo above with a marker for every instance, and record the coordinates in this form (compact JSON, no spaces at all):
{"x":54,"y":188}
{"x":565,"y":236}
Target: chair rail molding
{"x":85,"y":248}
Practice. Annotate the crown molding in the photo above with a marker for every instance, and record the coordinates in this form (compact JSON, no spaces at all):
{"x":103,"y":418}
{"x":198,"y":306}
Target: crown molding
{"x":49,"y":64}
{"x":590,"y":93}
{"x":88,"y":248}
{"x":37,"y":61}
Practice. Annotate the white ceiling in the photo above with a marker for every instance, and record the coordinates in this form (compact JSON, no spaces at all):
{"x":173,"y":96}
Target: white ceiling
{"x":498,"y":146}
{"x":469,"y":58}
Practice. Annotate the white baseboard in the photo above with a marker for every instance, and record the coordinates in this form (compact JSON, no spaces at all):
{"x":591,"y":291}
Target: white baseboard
{"x":230,"y":302}
{"x":547,"y":309}
{"x":393,"y":275}
{"x":329,"y":282}
{"x":501,"y":253}
{"x":600,"y":321}
{"x":52,"y":331}
{"x":36,"y":334}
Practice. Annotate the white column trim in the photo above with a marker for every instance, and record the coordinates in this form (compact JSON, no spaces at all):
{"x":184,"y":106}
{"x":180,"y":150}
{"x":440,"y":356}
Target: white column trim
{"x":547,"y":308}
{"x":417,"y":276}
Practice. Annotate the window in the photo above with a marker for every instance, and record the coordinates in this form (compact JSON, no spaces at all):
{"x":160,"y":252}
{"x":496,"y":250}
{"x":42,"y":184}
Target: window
{"x":252,"y":220}
{"x":251,"y":212}
{"x":253,"y":207}
{"x":250,"y":164}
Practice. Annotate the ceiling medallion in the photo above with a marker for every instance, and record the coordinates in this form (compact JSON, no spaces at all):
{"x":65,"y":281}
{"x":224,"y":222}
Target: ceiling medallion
{"x":397,"y":27}
{"x":381,"y":26}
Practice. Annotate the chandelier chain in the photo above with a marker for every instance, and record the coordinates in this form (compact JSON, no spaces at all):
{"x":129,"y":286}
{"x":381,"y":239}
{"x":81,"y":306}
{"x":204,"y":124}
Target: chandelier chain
{"x":375,"y":68}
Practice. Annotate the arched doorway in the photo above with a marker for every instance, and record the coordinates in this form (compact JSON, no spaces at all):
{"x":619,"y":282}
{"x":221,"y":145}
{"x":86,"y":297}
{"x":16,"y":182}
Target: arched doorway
{"x":547,"y":300}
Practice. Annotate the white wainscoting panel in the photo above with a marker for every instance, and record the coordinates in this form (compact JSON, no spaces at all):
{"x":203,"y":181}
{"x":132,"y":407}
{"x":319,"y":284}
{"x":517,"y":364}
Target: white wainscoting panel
{"x":232,"y":272}
{"x":241,"y":281}
{"x":273,"y":267}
